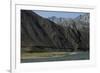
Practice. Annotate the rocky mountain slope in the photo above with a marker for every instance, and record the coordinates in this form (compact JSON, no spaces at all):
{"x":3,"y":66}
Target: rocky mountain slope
{"x":42,"y":34}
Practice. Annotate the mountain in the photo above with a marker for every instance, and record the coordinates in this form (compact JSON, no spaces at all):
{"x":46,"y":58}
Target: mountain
{"x":43,"y":34}
{"x":81,"y":21}
{"x":83,"y":18}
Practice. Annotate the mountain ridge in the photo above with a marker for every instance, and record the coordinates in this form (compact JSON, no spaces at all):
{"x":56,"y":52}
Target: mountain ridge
{"x":42,"y":34}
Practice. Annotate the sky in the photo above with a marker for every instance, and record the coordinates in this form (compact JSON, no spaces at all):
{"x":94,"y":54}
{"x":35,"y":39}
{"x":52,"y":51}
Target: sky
{"x":59,"y":14}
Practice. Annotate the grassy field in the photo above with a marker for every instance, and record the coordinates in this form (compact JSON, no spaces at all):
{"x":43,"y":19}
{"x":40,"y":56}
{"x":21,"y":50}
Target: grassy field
{"x":53,"y":56}
{"x":42,"y":55}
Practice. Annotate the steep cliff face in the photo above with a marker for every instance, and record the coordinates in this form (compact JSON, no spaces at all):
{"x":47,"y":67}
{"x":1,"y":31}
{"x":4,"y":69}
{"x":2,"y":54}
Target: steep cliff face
{"x":41,"y":34}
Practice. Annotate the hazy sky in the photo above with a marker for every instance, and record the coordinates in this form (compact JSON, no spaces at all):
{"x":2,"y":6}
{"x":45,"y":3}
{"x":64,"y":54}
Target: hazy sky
{"x":59,"y":14}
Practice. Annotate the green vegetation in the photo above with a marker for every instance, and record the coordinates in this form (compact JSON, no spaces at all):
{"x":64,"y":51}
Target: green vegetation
{"x":42,"y":54}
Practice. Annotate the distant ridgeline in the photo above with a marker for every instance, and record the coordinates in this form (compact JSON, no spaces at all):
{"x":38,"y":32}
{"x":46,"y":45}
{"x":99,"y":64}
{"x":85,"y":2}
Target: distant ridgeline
{"x":40,"y":34}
